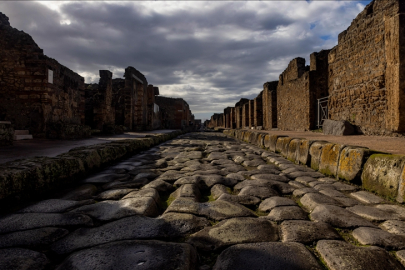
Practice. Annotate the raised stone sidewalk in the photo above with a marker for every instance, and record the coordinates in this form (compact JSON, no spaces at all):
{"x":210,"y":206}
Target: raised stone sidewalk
{"x":205,"y":201}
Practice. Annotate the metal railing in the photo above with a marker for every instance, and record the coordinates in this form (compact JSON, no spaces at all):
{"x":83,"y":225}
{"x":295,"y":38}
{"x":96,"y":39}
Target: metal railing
{"x":322,"y":110}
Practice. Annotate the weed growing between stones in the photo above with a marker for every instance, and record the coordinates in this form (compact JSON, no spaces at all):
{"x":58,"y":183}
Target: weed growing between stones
{"x":348,"y":237}
{"x":318,"y":257}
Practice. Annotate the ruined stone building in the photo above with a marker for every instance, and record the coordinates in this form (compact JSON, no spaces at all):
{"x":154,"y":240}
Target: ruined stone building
{"x":36,"y":92}
{"x":175,"y":112}
{"x":239,"y":112}
{"x":257,"y":111}
{"x":269,"y":102}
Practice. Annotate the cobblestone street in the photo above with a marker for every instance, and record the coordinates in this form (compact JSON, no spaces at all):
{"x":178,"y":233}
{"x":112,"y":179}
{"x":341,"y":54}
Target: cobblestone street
{"x":206,"y":201}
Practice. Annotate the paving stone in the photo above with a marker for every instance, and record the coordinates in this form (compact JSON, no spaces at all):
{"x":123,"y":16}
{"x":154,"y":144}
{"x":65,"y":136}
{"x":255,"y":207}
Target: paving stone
{"x":217,"y":155}
{"x":241,"y":199}
{"x":32,"y":238}
{"x":147,"y":192}
{"x":312,"y":200}
{"x":187,"y":190}
{"x":234,"y":168}
{"x":149,"y":176}
{"x":394,"y":226}
{"x":258,"y":256}
{"x":305,"y":180}
{"x":401,"y":256}
{"x":260,"y":192}
{"x":340,"y":255}
{"x":109,"y":210}
{"x":273,"y":177}
{"x":236,"y":176}
{"x":296,"y":184}
{"x":106,"y":178}
{"x":267,"y":167}
{"x":113,"y":194}
{"x":160,"y":186}
{"x":83,"y":192}
{"x":297,"y":174}
{"x":235,"y":231}
{"x":344,"y":187}
{"x":321,"y":186}
{"x":171,"y":175}
{"x":287,"y":213}
{"x":18,"y":258}
{"x":307,"y":232}
{"x":26,"y":221}
{"x":346,"y":202}
{"x":302,"y":191}
{"x":149,"y":254}
{"x":270,"y":203}
{"x":366,"y":197}
{"x":131,"y":184}
{"x":253,"y":163}
{"x":338,"y":217}
{"x":135,"y":227}
{"x":217,"y":190}
{"x":123,"y":166}
{"x":55,"y":206}
{"x":222,"y":162}
{"x":332,"y":193}
{"x":377,"y":237}
{"x":217,"y":210}
{"x":190,"y":155}
{"x":372,"y":213}
{"x":327,"y":180}
{"x":393,"y":209}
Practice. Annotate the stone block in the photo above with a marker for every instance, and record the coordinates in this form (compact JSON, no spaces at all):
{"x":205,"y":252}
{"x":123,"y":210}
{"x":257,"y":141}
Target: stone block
{"x":337,"y":128}
{"x":273,"y":142}
{"x":315,"y":152}
{"x":351,"y":163}
{"x":260,"y":140}
{"x":282,"y":145}
{"x":329,"y":160}
{"x":303,"y":156}
{"x":293,"y":149}
{"x":382,"y":174}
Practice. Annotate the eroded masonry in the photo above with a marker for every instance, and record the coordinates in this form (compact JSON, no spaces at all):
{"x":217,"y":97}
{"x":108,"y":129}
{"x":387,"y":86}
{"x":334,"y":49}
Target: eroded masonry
{"x":361,"y":80}
{"x":46,"y":99}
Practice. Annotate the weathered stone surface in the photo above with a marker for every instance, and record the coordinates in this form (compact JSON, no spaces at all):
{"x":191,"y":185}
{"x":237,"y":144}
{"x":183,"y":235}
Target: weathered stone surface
{"x":271,"y":177}
{"x":54,"y":206}
{"x":236,"y":176}
{"x":302,"y":191}
{"x":253,"y":163}
{"x":382,"y":173}
{"x":329,"y":160}
{"x":351,"y":163}
{"x":106,"y":178}
{"x":125,"y":254}
{"x":395,"y":210}
{"x":394,"y":226}
{"x":305,"y":179}
{"x":147,"y":192}
{"x":337,"y":128}
{"x":20,"y":222}
{"x":340,"y":255}
{"x":366,"y":197}
{"x":344,"y":187}
{"x":282,"y":145}
{"x":131,"y":184}
{"x":241,"y":199}
{"x":312,"y":200}
{"x":270,"y":203}
{"x":114,"y":194}
{"x":287,"y":213}
{"x":315,"y":152}
{"x":108,"y":210}
{"x":307,"y":232}
{"x":338,"y":217}
{"x":377,"y":237}
{"x":160,"y":186}
{"x":296,"y":184}
{"x":81,"y":193}
{"x":303,"y":152}
{"x":332,"y":193}
{"x":235,"y":231}
{"x":32,"y":238}
{"x":171,"y":175}
{"x":217,"y":190}
{"x":401,"y":256}
{"x":279,"y":256}
{"x":18,"y":258}
{"x":372,"y":213}
{"x":135,"y":227}
{"x":187,"y":190}
{"x":260,"y":192}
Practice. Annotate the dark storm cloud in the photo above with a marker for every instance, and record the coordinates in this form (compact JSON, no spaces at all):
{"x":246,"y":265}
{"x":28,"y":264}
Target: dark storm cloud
{"x":212,"y":55}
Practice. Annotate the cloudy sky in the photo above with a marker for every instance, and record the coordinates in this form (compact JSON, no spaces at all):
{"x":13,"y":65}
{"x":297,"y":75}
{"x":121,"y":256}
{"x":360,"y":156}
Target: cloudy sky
{"x":209,"y":53}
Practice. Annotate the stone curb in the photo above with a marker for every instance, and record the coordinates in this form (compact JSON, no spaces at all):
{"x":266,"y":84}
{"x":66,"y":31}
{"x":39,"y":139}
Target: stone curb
{"x":378,"y":172}
{"x":35,"y":176}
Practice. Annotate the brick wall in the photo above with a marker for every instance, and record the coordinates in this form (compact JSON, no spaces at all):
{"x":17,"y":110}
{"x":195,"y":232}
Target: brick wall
{"x":367,"y":70}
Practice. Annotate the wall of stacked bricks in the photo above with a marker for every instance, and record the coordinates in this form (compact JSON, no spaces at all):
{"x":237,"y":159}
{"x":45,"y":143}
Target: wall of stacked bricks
{"x":27,"y":99}
{"x":269,"y":101}
{"x":257,"y":118}
{"x":366,"y":70}
{"x":364,"y":76}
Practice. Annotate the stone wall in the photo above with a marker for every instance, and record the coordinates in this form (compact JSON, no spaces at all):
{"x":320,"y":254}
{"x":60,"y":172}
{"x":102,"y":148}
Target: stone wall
{"x":175,"y":112}
{"x":258,"y":111}
{"x":6,"y":133}
{"x":269,"y":101}
{"x":245,"y":115}
{"x":367,"y":70}
{"x":37,"y":92}
{"x":239,"y":113}
{"x":227,"y":117}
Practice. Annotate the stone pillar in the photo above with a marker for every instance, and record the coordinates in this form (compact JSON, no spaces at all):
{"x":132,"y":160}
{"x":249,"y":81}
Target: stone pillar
{"x":269,"y":102}
{"x":258,"y":111}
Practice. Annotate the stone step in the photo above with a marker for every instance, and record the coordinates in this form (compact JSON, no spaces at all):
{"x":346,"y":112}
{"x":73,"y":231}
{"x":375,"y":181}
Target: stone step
{"x":21,"y":132}
{"x":22,"y":137}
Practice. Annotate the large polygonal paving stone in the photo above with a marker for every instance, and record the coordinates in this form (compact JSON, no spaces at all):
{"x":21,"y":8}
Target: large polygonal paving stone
{"x":133,"y":254}
{"x":54,"y":206}
{"x":260,"y":192}
{"x":32,"y":238}
{"x":270,"y":203}
{"x":242,"y":199}
{"x":235,"y":231}
{"x":114,"y":194}
{"x":373,"y":213}
{"x":394,"y":226}
{"x":18,"y":258}
{"x":106,"y":178}
{"x":377,"y":237}
{"x":307,"y":232}
{"x":171,"y":176}
{"x":253,"y":163}
{"x":340,"y":255}
{"x":338,"y":217}
{"x":286,"y":213}
{"x":81,"y":193}
{"x":260,"y":256}
{"x":312,"y":200}
{"x":217,"y":210}
{"x":273,"y":177}
{"x":135,"y":183}
{"x":147,"y":192}
{"x":190,"y":155}
{"x":366,"y":197}
{"x":137,"y":227}
{"x":108,"y":210}
{"x":20,"y":222}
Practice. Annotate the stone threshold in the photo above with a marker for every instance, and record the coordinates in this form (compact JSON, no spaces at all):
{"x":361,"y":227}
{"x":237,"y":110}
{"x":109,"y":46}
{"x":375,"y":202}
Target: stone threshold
{"x":28,"y":178}
{"x":381,"y":173}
